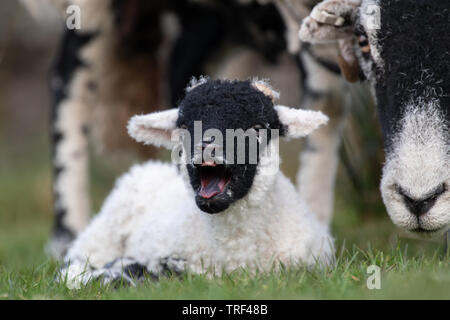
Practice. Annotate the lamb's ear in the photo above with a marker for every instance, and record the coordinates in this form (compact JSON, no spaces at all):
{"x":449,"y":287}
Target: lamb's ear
{"x":300,"y":123}
{"x":332,"y":21}
{"x":154,"y":128}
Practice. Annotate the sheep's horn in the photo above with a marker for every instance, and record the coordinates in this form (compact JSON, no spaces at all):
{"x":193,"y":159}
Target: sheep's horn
{"x":327,"y":18}
{"x":321,"y":13}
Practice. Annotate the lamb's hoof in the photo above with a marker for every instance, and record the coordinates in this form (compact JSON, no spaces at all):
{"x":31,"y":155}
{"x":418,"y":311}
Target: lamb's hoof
{"x":123,"y":271}
{"x":172,"y":266}
{"x":117,"y":279}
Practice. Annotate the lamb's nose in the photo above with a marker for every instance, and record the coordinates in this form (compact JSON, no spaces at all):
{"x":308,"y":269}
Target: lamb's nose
{"x":421,"y":206}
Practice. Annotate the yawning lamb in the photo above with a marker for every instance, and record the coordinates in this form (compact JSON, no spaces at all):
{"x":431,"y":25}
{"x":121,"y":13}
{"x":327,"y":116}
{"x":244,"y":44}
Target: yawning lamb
{"x":209,"y":212}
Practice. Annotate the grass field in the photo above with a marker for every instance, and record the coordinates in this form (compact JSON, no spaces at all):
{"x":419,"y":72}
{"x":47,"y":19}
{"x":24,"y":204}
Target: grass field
{"x":410,"y":268}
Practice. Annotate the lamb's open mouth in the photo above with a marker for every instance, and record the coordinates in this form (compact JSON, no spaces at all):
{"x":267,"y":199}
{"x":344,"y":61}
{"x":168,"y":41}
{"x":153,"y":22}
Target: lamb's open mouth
{"x":214,"y":178}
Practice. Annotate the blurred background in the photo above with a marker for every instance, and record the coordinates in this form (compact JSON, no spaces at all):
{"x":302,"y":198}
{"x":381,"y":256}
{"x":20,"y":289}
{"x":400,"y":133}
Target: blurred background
{"x":26,"y":52}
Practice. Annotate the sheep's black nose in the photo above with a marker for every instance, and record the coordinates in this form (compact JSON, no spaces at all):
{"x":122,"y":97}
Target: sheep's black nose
{"x":419,"y":207}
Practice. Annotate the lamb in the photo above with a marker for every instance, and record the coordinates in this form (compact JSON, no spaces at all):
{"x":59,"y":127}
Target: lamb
{"x":402,"y":48}
{"x":130,"y":57}
{"x":208,"y":213}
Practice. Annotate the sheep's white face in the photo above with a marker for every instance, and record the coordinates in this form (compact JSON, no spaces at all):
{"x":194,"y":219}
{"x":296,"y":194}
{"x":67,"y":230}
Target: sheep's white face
{"x":409,"y":78}
{"x":416,"y":175}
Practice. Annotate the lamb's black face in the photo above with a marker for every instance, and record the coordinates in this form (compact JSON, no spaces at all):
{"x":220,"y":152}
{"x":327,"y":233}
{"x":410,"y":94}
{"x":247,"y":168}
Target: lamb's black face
{"x":407,"y":61}
{"x":223,"y":105}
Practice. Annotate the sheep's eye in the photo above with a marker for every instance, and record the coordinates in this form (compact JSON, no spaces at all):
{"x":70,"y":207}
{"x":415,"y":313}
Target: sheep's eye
{"x":183,"y":126}
{"x":359,"y":30}
{"x":364,"y":43}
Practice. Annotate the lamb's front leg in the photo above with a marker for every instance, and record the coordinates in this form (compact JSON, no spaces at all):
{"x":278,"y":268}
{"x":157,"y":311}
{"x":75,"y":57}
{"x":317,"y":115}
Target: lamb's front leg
{"x":103,"y":241}
{"x":130,"y":271}
{"x":100,"y":252}
{"x":120,"y":271}
{"x":126,"y":271}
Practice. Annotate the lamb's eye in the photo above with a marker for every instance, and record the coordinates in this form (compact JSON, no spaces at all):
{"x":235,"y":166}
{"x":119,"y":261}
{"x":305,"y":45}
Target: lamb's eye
{"x":364,"y":43}
{"x":259,"y":126}
{"x":183,"y":126}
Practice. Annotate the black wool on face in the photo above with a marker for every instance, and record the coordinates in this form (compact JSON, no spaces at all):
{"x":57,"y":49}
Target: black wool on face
{"x":222,"y":105}
{"x":415,"y":48}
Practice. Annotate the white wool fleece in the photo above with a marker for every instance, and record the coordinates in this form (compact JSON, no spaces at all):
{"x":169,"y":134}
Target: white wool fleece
{"x":151,"y":215}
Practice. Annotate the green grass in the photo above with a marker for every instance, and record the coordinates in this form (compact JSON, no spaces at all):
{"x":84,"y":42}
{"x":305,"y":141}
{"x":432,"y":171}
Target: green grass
{"x":410,"y":268}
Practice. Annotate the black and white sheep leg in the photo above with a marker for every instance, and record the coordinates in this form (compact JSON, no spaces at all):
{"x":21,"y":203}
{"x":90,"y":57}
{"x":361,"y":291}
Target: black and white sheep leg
{"x":319,"y":157}
{"x":69,"y":123}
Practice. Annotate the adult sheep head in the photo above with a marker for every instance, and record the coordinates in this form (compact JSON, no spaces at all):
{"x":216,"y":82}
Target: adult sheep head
{"x":403,"y":49}
{"x":226,"y":129}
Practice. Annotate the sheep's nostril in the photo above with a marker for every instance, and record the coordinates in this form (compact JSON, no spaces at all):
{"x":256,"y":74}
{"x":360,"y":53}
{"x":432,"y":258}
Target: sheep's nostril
{"x":419,"y":207}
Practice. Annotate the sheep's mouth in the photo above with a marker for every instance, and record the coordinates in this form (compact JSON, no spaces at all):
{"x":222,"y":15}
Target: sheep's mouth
{"x":214,"y":179}
{"x":427,"y":232}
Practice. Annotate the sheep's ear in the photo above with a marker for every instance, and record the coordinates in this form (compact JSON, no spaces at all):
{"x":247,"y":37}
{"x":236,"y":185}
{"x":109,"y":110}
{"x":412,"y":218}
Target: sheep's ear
{"x":154,"y":128}
{"x":332,"y":21}
{"x":300,"y":123}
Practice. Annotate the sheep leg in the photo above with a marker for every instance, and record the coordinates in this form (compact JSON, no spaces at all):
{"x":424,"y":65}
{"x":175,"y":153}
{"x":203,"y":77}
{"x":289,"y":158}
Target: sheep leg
{"x":319,"y":160}
{"x":196,"y":43}
{"x":319,"y":156}
{"x":69,"y":117}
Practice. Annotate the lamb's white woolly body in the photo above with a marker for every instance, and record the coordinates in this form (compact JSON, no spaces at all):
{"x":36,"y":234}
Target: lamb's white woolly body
{"x":151,"y":215}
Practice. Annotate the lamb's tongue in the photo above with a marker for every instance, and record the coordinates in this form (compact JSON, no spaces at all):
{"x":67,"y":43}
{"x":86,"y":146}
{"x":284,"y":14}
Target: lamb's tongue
{"x":211,"y":186}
